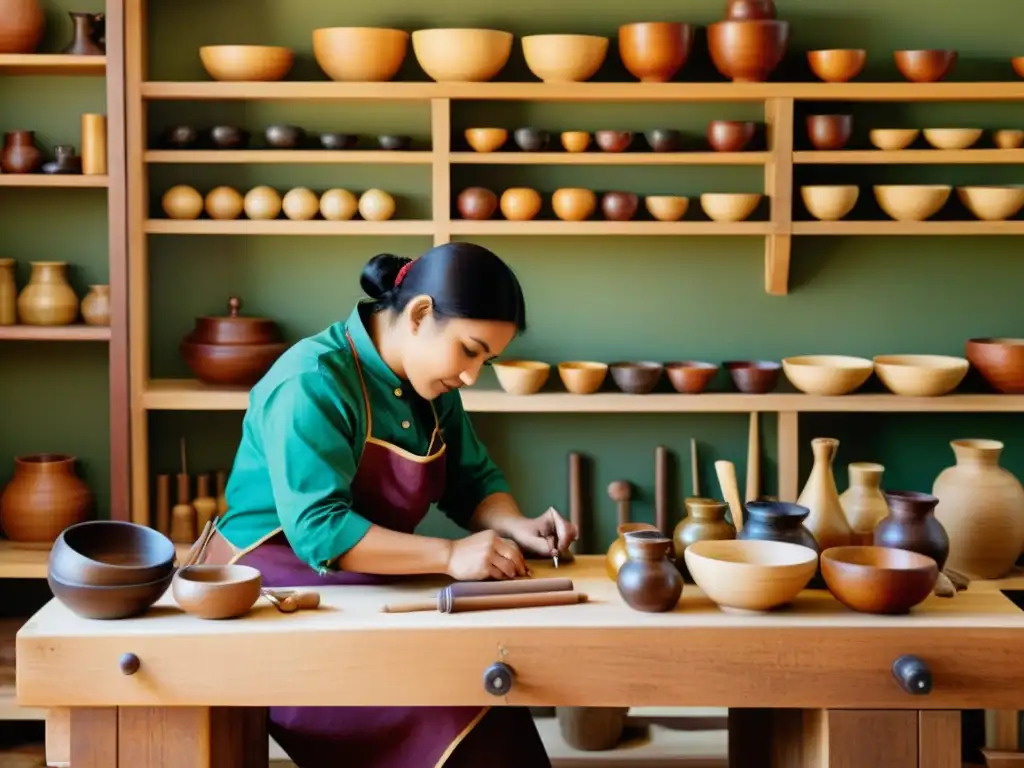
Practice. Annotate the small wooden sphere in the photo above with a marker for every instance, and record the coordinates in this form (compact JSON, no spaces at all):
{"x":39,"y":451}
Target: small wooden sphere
{"x":182,"y":202}
{"x":376,"y":205}
{"x":300,"y":204}
{"x":224,"y":203}
{"x":619,"y":490}
{"x":338,"y":205}
{"x":262,"y":203}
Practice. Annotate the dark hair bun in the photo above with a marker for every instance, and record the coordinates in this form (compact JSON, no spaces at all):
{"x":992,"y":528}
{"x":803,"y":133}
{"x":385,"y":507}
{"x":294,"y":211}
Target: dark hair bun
{"x":379,"y":274}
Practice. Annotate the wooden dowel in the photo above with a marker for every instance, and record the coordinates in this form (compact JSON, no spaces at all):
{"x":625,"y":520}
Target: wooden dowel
{"x":448,"y":603}
{"x":661,"y":489}
{"x":576,"y":496}
{"x":514,"y":587}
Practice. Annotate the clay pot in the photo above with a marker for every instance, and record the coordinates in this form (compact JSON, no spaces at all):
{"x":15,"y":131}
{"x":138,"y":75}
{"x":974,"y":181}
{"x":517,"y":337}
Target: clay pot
{"x":664,"y":139}
{"x":777,"y":521}
{"x":826,"y":520}
{"x":704,"y":521}
{"x":44,"y":497}
{"x":829,"y":132}
{"x":863,"y":502}
{"x":616,"y":554}
{"x":747,"y":10}
{"x":48,"y":299}
{"x":573,"y":204}
{"x":614,"y":141}
{"x":653,"y":52}
{"x":338,"y":141}
{"x":619,"y":206}
{"x":531,"y":139}
{"x":96,"y":305}
{"x":928,"y":66}
{"x":730,"y":135}
{"x":648,"y":580}
{"x":284,"y":136}
{"x":981,"y":506}
{"x":520,"y":203}
{"x":591,"y":729}
{"x":8,"y":293}
{"x":228,"y":137}
{"x":754,"y":377}
{"x":88,"y":32}
{"x":22,"y":24}
{"x":1000,"y":361}
{"x":911,"y":525}
{"x":747,"y":51}
{"x":690,"y":377}
{"x":636,"y":378}
{"x":20,"y":153}
{"x":477,"y":203}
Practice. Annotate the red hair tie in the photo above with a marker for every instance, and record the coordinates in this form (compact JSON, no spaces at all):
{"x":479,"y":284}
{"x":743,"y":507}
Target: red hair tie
{"x":401,"y":273}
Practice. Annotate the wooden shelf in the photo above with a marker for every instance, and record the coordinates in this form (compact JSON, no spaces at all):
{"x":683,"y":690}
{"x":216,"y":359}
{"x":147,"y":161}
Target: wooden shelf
{"x":910,"y":157}
{"x":598,"y":228}
{"x":193,"y":395}
{"x":51,"y":64}
{"x":609,"y":158}
{"x":27,"y":561}
{"x":54,"y":180}
{"x":54,"y":333}
{"x":915,"y":228}
{"x":287,"y":227}
{"x":294,"y":156}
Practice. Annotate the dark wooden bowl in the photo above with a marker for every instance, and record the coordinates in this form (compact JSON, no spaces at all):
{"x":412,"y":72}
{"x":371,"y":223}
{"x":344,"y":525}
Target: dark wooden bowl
{"x":925,"y":66}
{"x":878,"y":579}
{"x":829,"y":132}
{"x":1000,"y":361}
{"x":229,"y":137}
{"x":476,"y":203}
{"x":754,"y":377}
{"x":120,"y":602}
{"x":107,"y":553}
{"x":394,"y":142}
{"x":284,"y":136}
{"x":637,"y":378}
{"x":730,"y":135}
{"x":619,"y":206}
{"x":664,"y":139}
{"x":613,"y":141}
{"x":748,"y":51}
{"x":690,"y":377}
{"x":338,"y":141}
{"x":531,"y":139}
{"x":240,"y":365}
{"x":180,"y":137}
{"x":235,"y":328}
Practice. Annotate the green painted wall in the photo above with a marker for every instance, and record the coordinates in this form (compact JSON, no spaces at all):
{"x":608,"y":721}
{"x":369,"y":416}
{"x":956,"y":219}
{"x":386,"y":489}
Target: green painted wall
{"x":601,"y":298}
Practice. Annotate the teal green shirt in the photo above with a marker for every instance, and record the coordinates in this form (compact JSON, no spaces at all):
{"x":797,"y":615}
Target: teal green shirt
{"x":303,"y":434}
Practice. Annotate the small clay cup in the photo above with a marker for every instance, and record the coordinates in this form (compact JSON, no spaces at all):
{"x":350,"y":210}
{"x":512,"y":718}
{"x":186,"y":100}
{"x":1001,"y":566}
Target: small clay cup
{"x":636,"y":378}
{"x":229,"y":137}
{"x":338,"y":141}
{"x":284,"y":136}
{"x":575,"y":141}
{"x":180,"y":137}
{"x":730,"y":135}
{"x":829,"y":132}
{"x":690,"y":377}
{"x":754,"y":377}
{"x":614,"y":141}
{"x":619,"y":206}
{"x":664,"y":139}
{"x":531,"y":139}
{"x":394,"y":142}
{"x":1008,"y":139}
{"x":476,"y":203}
{"x":216,"y":591}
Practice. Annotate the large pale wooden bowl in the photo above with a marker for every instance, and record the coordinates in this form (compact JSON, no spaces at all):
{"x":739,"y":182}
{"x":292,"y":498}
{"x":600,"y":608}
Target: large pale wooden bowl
{"x":827,"y":374}
{"x":750,"y":575}
{"x":921,"y":375}
{"x":462,"y":55}
{"x":992,"y":203}
{"x":912,"y":202}
{"x":360,"y":54}
{"x":878,"y":579}
{"x":829,"y":203}
{"x":952,"y":138}
{"x":522,"y":377}
{"x":729,"y":206}
{"x":247,"y":63}
{"x":582,"y":377}
{"x":564,"y":58}
{"x":892,"y":139}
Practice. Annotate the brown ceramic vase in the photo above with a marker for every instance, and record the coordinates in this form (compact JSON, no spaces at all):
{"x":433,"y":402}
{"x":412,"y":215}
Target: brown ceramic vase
{"x":704,"y":521}
{"x":96,"y":305}
{"x":20,"y":153}
{"x":911,"y":525}
{"x":44,"y":497}
{"x":22,"y":24}
{"x":48,"y":298}
{"x":649,"y":581}
{"x":616,"y":555}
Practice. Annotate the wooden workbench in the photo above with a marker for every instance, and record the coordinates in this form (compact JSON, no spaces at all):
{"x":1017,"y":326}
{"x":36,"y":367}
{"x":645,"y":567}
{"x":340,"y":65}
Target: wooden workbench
{"x":826,"y":672}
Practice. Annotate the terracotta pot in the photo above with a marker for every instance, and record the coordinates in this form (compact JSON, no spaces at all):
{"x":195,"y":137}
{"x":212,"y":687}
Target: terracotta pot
{"x":573,"y":204}
{"x":747,"y":51}
{"x":690,"y":377}
{"x":653,"y":52}
{"x":1000,"y":361}
{"x":777,"y":521}
{"x":863,"y":502}
{"x":48,"y":299}
{"x":8,"y":293}
{"x":829,"y":132}
{"x":619,"y":206}
{"x":616,"y":554}
{"x":520,"y":203}
{"x":22,"y":24}
{"x":981,"y":506}
{"x":96,"y":305}
{"x":754,"y":377}
{"x":591,"y":729}
{"x":912,"y":525}
{"x":20,"y":153}
{"x":477,"y":203}
{"x":649,"y":581}
{"x":704,"y":521}
{"x":730,"y":135}
{"x":826,"y":520}
{"x":44,"y":497}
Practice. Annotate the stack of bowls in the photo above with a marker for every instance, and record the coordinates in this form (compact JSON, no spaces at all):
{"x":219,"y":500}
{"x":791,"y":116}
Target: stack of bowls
{"x":109,"y":569}
{"x":750,"y":43}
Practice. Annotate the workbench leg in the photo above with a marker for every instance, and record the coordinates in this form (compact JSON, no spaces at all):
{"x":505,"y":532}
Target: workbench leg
{"x":191,"y":737}
{"x":93,"y":737}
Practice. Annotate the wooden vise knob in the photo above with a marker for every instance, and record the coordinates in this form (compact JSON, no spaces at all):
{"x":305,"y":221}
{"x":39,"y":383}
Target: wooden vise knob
{"x":129,"y":663}
{"x":498,"y":679}
{"x":913,"y":675}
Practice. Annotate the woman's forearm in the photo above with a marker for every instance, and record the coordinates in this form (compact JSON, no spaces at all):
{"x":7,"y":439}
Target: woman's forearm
{"x":387,"y":552}
{"x":497,"y":512}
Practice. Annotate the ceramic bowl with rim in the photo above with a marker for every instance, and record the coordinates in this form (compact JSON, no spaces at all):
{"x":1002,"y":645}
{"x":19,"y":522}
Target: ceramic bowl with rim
{"x":462,"y":54}
{"x":878,"y":579}
{"x":582,"y":377}
{"x":750,"y":575}
{"x":753,"y":377}
{"x":829,"y":202}
{"x":995,"y":203}
{"x":893,"y":139}
{"x":828,"y":375}
{"x":667,"y":207}
{"x":564,"y":58}
{"x":107,"y":553}
{"x":521,"y":377}
{"x":921,"y":375}
{"x":690,"y":377}
{"x":121,"y":601}
{"x":360,"y":54}
{"x":730,"y":206}
{"x":1000,"y":361}
{"x":952,"y":138}
{"x":217,"y":591}
{"x":912,"y":202}
{"x":247,"y":63}
{"x":837,"y":65}
{"x":636,"y":378}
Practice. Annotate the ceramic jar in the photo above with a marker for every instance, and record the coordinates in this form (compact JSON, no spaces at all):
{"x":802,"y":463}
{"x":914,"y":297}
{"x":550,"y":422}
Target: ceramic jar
{"x":826,"y":520}
{"x":912,"y":525}
{"x":8,"y":293}
{"x":705,"y":520}
{"x":22,"y":24}
{"x":649,"y":581}
{"x":777,"y":521}
{"x":20,"y":153}
{"x":65,"y":161}
{"x":96,"y":305}
{"x":616,"y":555}
{"x":981,"y":506}
{"x":44,"y":497}
{"x":863,"y":502}
{"x":88,"y":31}
{"x":48,"y":299}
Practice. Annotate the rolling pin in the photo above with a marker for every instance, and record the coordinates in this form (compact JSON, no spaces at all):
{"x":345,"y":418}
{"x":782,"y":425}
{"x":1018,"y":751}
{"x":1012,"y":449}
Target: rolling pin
{"x":485,"y":589}
{"x":448,"y":603}
{"x":661,"y":489}
{"x":576,"y":497}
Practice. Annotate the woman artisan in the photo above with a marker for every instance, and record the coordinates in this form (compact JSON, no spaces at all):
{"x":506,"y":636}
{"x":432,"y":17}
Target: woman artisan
{"x":348,"y":440}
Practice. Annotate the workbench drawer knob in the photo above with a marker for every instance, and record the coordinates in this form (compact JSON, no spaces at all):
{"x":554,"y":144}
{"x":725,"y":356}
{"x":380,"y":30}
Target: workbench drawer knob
{"x":129,"y":663}
{"x":498,"y":679}
{"x":912,"y":675}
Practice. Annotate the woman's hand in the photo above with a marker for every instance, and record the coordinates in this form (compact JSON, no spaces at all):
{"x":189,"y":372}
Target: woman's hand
{"x":485,"y":555}
{"x":547,"y":535}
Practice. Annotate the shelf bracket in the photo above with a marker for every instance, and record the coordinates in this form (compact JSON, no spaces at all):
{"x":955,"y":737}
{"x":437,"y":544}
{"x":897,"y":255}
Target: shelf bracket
{"x":441,"y":185}
{"x":778,"y":186}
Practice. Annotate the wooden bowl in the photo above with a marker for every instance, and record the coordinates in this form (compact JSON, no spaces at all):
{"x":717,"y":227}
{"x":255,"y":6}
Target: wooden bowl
{"x":912,"y":202}
{"x":754,"y":377}
{"x":582,"y":378}
{"x":892,"y":139}
{"x":921,"y":375}
{"x":575,"y":141}
{"x":992,"y":203}
{"x":829,"y":203}
{"x":520,"y":203}
{"x":1000,"y":361}
{"x":1017,"y":62}
{"x":240,"y":365}
{"x":573,"y":204}
{"x":619,"y":206}
{"x":926,"y":66}
{"x":531,"y":139}
{"x":730,"y":135}
{"x":636,"y":378}
{"x":748,"y":575}
{"x":476,"y":203}
{"x":664,"y":139}
{"x":1008,"y":138}
{"x":107,"y":553}
{"x":654,"y":51}
{"x":462,"y":55}
{"x":878,"y":579}
{"x":747,"y":51}
{"x":486,"y":139}
{"x":828,"y":375}
{"x":952,"y":138}
{"x":690,"y":377}
{"x":360,"y":54}
{"x":217,"y":591}
{"x":829,"y":132}
{"x":613,"y":141}
{"x":248,"y":63}
{"x":667,"y":207}
{"x":564,"y":58}
{"x":730,"y":206}
{"x":838,"y":65}
{"x":521,"y":377}
{"x":108,"y":602}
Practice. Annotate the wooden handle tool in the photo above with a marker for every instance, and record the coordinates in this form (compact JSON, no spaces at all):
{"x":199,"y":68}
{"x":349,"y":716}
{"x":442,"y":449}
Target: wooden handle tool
{"x":576,"y":497}
{"x":620,"y":491}
{"x":730,"y":491}
{"x":484,"y":589}
{"x":289,"y":601}
{"x":694,"y":468}
{"x":753,"y":459}
{"x":448,"y":603}
{"x":661,"y":489}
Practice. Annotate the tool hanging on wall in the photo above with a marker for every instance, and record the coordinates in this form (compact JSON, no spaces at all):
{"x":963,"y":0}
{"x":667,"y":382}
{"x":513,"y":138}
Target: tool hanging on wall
{"x":661,"y":469}
{"x":753,"y":459}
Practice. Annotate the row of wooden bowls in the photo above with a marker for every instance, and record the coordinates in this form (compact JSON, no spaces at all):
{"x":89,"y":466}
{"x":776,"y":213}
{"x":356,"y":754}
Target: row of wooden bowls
{"x":263,"y":203}
{"x":914,"y":202}
{"x":722,"y":136}
{"x":832,"y":132}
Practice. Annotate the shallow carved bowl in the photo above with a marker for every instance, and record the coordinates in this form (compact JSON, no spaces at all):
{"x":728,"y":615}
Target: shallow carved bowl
{"x":690,"y":377}
{"x":654,"y":51}
{"x":462,"y":55}
{"x":730,"y":135}
{"x":925,"y":66}
{"x":108,"y":602}
{"x":1000,"y":361}
{"x":892,"y":139}
{"x":754,"y":377}
{"x":564,"y":58}
{"x":827,"y":374}
{"x":750,"y":575}
{"x":921,"y":375}
{"x":216,"y":591}
{"x":575,"y":141}
{"x":667,"y":207}
{"x":830,"y":203}
{"x":636,"y":378}
{"x":829,"y":132}
{"x":839,"y":65}
{"x":912,"y":202}
{"x":106,"y":553}
{"x":360,"y":54}
{"x":486,"y":139}
{"x":582,"y":377}
{"x":730,"y":206}
{"x":992,"y":203}
{"x":250,"y":63}
{"x":522,"y":377}
{"x":747,"y":51}
{"x":952,"y":138}
{"x":878,"y":579}
{"x":230,"y":364}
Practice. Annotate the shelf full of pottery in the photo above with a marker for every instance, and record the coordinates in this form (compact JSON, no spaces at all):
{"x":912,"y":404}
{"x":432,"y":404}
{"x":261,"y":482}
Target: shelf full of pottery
{"x":48,"y":307}
{"x":294,"y":138}
{"x":21,"y":154}
{"x":23,"y":26}
{"x":875,"y":551}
